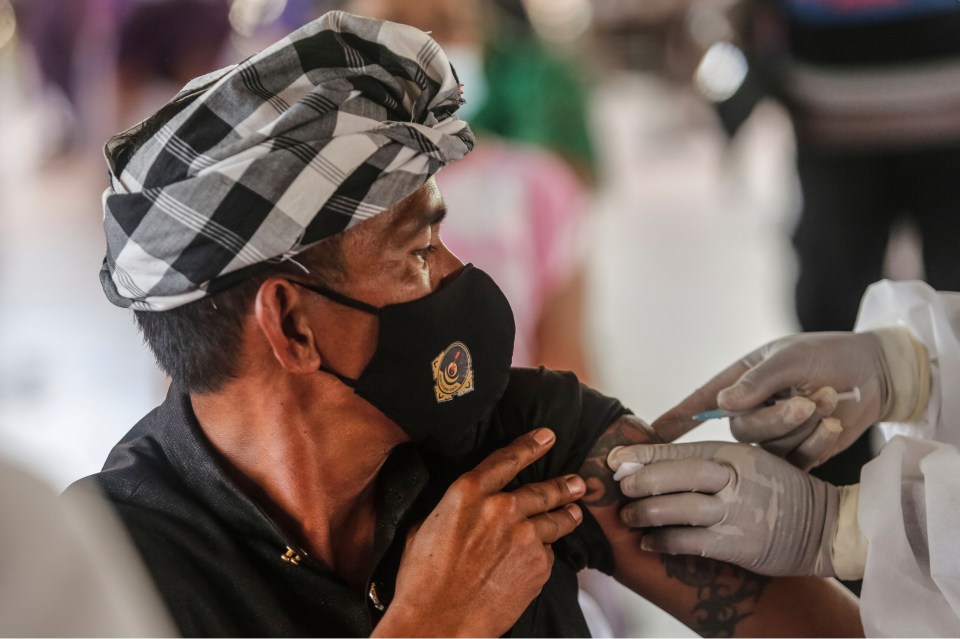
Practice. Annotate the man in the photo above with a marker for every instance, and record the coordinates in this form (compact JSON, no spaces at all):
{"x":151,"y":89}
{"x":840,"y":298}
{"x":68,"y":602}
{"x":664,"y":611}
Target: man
{"x":345,"y":449}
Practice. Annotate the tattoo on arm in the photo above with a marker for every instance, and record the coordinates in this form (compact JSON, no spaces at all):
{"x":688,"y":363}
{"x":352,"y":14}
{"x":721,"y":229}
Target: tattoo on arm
{"x":721,"y":591}
{"x":601,"y":489}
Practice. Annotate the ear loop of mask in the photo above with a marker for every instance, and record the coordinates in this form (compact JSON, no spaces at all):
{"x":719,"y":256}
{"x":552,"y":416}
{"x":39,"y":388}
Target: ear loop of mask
{"x":343,"y":300}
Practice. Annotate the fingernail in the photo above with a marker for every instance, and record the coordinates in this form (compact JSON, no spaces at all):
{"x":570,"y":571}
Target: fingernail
{"x":619,"y":456}
{"x":543,"y":436}
{"x":797,"y":410}
{"x":575,"y":484}
{"x":626,"y":469}
{"x":645,"y":545}
{"x":611,"y":455}
{"x":832,"y":424}
{"x":574,"y":511}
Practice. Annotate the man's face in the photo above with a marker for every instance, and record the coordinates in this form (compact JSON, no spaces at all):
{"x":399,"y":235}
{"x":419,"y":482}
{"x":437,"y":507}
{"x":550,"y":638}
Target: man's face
{"x":395,"y":257}
{"x":404,"y":366}
{"x":399,"y":256}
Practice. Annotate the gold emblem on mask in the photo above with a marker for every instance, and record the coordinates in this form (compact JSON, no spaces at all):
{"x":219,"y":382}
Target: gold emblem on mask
{"x":453,"y":372}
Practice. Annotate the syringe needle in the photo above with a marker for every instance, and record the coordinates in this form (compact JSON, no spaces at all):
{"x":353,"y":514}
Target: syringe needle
{"x":719,"y":413}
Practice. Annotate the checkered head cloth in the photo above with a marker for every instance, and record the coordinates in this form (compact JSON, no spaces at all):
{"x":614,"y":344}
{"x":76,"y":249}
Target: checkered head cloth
{"x":330,"y":126}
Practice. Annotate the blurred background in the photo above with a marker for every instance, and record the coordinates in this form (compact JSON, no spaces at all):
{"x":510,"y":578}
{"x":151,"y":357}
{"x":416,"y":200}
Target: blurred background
{"x":634,"y":191}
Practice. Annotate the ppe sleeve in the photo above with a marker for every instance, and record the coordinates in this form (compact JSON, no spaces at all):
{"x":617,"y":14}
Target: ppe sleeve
{"x":909,"y":512}
{"x":934,"y":319}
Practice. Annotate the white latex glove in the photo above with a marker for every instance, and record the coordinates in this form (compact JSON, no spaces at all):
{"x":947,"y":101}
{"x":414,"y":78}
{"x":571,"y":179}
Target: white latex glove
{"x":732,"y":502}
{"x":888,"y":366}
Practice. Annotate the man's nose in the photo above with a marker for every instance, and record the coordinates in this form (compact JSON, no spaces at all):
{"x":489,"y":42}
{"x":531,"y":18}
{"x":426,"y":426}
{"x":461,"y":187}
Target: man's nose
{"x":448,"y":264}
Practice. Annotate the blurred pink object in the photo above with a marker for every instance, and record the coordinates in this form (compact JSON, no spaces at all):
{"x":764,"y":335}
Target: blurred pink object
{"x":518,"y":210}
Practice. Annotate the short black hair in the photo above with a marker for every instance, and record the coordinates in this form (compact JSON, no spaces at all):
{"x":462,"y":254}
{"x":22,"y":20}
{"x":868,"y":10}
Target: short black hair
{"x":198,"y":344}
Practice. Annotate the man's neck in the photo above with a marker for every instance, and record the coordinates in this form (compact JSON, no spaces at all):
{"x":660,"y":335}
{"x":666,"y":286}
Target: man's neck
{"x":309,"y":455}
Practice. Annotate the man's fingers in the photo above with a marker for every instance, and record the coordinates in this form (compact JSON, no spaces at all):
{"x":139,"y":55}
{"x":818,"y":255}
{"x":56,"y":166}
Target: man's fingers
{"x":502,"y":465}
{"x":680,"y":509}
{"x":678,"y":420}
{"x":553,"y":525}
{"x":544,"y":496}
{"x":816,"y":448}
{"x":684,"y":475}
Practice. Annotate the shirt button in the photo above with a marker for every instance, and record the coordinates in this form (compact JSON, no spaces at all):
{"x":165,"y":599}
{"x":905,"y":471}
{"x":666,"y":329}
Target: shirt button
{"x":375,"y":598}
{"x":291,"y":557}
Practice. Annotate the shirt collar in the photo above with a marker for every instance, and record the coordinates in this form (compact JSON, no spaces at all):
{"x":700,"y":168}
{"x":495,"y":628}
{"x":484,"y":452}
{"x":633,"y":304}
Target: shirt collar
{"x":401,"y":480}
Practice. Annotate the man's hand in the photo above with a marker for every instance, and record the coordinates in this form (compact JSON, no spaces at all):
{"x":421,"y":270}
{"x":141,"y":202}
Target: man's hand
{"x":732,"y":502}
{"x":483,"y":555}
{"x":817,"y":365}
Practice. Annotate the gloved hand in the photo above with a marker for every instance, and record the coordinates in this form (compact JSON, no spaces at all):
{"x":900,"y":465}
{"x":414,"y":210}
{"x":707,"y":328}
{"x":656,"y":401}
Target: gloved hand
{"x":732,"y":502}
{"x":889,"y":367}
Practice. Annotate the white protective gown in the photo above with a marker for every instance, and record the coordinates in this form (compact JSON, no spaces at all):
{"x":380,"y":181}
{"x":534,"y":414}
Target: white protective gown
{"x":909,"y":508}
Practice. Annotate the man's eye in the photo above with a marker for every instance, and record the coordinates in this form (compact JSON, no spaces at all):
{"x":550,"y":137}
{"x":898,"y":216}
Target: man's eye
{"x":424,"y":253}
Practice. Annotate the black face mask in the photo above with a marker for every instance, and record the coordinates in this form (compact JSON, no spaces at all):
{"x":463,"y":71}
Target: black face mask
{"x":442,"y":361}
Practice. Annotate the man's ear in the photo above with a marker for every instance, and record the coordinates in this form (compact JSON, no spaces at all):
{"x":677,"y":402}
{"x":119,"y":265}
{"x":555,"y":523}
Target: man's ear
{"x":281,"y":314}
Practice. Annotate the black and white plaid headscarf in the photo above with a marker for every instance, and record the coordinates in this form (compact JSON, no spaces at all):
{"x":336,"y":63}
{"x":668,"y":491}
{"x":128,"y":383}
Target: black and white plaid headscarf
{"x":330,"y":126}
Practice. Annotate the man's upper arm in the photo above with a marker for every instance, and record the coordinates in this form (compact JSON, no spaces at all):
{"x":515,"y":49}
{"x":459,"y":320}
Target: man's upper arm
{"x":711,"y":597}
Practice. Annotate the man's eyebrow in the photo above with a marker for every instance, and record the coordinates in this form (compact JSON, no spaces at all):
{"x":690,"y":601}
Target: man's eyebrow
{"x":438,"y":214}
{"x":417,"y":225}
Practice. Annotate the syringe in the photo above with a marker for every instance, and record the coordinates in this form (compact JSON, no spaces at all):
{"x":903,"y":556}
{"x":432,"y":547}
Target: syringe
{"x":719,"y":413}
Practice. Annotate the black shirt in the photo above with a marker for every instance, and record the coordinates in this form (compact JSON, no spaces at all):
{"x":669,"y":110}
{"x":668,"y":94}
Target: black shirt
{"x":224,"y":568}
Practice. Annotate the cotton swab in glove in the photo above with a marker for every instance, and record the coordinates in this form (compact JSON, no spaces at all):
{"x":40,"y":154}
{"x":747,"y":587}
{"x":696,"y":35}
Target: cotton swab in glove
{"x":626,"y":468}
